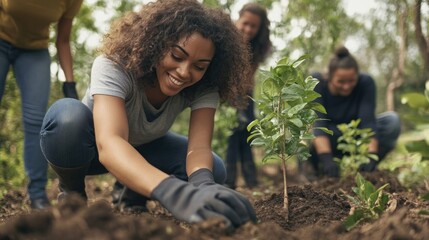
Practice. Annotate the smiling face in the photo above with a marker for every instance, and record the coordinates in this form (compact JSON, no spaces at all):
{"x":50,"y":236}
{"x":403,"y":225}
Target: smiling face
{"x":184,"y":64}
{"x":249,"y":24}
{"x":343,"y":81}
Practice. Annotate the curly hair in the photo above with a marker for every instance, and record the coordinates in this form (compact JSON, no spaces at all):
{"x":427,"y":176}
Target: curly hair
{"x":261,"y":45}
{"x":140,"y":40}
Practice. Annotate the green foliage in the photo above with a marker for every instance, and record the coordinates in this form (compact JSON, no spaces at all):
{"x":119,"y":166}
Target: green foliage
{"x":425,"y":197}
{"x":419,"y":104}
{"x":369,"y":203}
{"x":318,"y":26}
{"x":225,"y":121}
{"x":354,"y":144}
{"x":286,"y":112}
{"x":11,"y":138}
{"x":410,"y":168}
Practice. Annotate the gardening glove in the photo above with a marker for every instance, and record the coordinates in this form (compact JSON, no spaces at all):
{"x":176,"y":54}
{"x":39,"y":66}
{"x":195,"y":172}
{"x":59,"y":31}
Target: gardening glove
{"x":69,"y":90}
{"x":369,"y":167}
{"x":330,"y":168}
{"x":192,"y":204}
{"x":202,"y":176}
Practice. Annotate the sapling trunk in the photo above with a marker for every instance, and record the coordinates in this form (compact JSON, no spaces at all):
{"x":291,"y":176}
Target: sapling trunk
{"x":285,"y":196}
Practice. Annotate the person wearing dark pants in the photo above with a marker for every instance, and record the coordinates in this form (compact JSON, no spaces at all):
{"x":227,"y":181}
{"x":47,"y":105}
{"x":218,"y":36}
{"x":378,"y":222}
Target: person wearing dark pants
{"x":239,"y":149}
{"x":169,"y":56}
{"x":76,"y":149}
{"x":253,"y":23}
{"x":348,"y":95}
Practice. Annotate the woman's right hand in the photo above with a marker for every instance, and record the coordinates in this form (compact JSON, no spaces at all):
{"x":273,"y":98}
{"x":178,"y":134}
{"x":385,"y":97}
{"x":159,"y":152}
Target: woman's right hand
{"x":192,"y":204}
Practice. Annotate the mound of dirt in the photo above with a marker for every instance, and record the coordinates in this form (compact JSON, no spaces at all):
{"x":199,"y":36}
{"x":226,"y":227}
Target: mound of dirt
{"x":73,"y":220}
{"x":306,"y":207}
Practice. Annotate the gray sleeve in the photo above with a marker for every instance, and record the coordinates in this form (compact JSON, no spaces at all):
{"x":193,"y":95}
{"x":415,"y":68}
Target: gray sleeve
{"x":109,"y":78}
{"x":207,"y":100}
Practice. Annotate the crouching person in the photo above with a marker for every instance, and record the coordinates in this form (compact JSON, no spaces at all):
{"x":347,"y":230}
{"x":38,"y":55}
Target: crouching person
{"x":171,"y":55}
{"x":348,"y":95}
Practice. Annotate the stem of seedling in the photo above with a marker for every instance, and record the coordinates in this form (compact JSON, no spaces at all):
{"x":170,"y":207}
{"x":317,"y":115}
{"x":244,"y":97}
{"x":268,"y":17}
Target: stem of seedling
{"x":285,"y":196}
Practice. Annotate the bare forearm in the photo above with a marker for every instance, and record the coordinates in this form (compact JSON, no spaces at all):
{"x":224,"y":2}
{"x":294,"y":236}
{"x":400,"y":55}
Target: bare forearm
{"x":373,"y":146}
{"x":66,"y":59}
{"x":129,"y":167}
{"x":322,"y":145}
{"x":199,"y":158}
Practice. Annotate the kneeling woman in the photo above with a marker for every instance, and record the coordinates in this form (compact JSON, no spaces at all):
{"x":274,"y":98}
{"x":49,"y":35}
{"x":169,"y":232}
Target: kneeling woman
{"x":171,"y":55}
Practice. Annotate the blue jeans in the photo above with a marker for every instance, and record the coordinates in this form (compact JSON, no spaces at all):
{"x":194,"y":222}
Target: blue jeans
{"x":32,"y":72}
{"x":68,"y":141}
{"x":388,"y":130}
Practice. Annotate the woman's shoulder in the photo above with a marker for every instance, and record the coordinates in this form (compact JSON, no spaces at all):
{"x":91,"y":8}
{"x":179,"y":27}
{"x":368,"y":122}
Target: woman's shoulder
{"x":366,"y":81}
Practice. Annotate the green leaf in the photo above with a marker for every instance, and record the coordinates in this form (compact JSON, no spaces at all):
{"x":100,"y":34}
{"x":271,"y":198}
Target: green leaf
{"x":426,"y":196}
{"x":299,"y":61}
{"x":311,"y":83}
{"x":252,"y":124}
{"x":283,"y":61}
{"x":311,"y":95}
{"x":325,"y":130}
{"x":270,"y":157}
{"x":354,"y":219}
{"x":317,"y":107}
{"x":257,"y":142}
{"x":252,"y":136}
{"x":296,"y":121}
{"x":294,"y":110}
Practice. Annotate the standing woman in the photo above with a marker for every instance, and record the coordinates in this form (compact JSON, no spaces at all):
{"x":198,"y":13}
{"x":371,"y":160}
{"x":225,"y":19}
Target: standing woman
{"x":254,"y":25}
{"x":171,"y":55}
{"x":24,"y":39}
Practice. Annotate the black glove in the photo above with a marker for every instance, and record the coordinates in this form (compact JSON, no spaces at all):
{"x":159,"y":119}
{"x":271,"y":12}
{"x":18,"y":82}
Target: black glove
{"x":69,"y":90}
{"x":368,"y":167}
{"x":193,"y":204}
{"x":202,"y":176}
{"x":330,"y":168}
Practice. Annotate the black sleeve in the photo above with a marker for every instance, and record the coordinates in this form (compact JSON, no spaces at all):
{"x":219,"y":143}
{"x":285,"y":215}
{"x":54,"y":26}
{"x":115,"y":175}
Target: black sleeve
{"x":367,"y":103}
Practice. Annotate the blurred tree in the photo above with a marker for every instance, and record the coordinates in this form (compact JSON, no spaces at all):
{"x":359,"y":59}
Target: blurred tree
{"x":314,"y":27}
{"x":421,"y":39}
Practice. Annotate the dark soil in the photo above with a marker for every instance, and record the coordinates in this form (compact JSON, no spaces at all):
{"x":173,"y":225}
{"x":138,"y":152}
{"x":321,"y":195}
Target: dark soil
{"x":306,"y":207}
{"x":315,"y":212}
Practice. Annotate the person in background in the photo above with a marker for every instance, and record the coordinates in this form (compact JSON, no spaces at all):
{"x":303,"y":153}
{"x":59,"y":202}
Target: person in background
{"x":24,"y":39}
{"x":171,"y":55}
{"x":347,"y":94}
{"x":253,"y":23}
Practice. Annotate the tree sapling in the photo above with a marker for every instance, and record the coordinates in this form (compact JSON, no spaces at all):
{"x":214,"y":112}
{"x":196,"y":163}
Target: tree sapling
{"x":354,"y":143}
{"x":287,"y":112}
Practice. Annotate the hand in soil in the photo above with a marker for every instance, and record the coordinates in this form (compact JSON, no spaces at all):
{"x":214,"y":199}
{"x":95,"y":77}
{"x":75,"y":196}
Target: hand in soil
{"x":330,"y":168}
{"x":192,"y":204}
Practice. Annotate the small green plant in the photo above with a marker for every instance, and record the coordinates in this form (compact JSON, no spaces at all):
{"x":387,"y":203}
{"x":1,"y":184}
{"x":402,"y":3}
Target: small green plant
{"x":354,"y":143}
{"x":425,"y":211}
{"x":369,"y":203}
{"x":287,"y":112}
{"x":418,"y":116}
{"x":410,"y":168}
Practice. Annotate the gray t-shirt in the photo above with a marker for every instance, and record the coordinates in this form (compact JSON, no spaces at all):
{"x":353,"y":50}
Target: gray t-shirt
{"x":145,"y":122}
